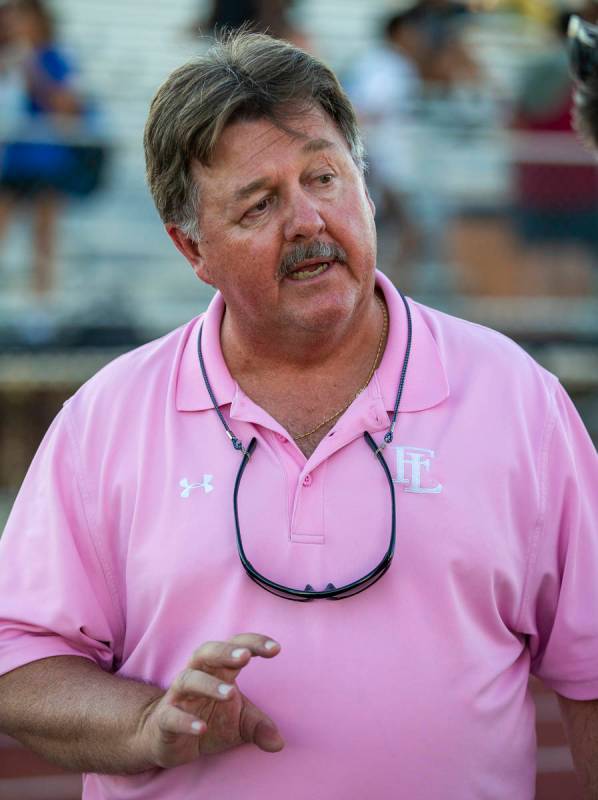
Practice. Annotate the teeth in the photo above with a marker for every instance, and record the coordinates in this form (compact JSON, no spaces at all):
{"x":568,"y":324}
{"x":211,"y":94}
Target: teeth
{"x":301,"y":275}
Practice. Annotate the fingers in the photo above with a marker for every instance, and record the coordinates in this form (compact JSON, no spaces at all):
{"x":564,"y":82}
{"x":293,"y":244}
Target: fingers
{"x":172,"y":721}
{"x":259,"y":645}
{"x":256,"y":727}
{"x":267,"y":737}
{"x":213,"y":668}
{"x":194,"y":683}
{"x":234,"y":654}
{"x":204,"y":687}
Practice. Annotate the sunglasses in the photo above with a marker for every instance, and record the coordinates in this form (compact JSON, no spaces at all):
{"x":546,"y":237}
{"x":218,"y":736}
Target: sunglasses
{"x":331,"y":592}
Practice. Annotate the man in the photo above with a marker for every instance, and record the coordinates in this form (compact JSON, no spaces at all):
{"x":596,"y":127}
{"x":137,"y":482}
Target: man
{"x":125,"y":609}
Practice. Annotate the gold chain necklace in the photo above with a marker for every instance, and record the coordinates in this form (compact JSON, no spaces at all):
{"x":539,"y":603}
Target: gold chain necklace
{"x":368,"y":379}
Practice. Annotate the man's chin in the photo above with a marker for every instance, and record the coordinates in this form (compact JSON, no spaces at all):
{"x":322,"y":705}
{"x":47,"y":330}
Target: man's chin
{"x":323,"y":317}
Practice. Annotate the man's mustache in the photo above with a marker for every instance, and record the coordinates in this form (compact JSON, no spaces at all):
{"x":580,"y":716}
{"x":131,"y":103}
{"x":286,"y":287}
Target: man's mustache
{"x":305,"y":252}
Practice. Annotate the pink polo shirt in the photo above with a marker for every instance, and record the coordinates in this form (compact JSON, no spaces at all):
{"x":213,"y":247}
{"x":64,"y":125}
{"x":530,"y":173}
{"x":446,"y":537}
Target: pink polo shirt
{"x":121,"y":549}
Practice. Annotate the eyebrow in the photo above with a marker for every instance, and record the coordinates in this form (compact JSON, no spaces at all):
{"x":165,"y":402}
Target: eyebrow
{"x":311,"y":146}
{"x":251,"y":188}
{"x":315,"y":145}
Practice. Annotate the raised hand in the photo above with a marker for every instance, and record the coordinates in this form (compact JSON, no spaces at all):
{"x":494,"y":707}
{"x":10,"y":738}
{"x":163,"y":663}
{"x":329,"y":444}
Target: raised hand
{"x":204,"y":711}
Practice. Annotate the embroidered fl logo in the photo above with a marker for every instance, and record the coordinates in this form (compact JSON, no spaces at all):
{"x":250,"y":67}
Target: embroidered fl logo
{"x":410,"y":463}
{"x":206,"y":485}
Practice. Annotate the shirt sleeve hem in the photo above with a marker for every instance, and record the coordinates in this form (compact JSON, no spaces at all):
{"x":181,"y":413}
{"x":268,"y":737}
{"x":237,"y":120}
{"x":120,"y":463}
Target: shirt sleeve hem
{"x":35,"y":652}
{"x":574,"y":690}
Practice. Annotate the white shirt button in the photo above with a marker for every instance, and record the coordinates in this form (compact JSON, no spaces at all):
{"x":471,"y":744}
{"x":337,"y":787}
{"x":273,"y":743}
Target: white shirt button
{"x":307,"y":480}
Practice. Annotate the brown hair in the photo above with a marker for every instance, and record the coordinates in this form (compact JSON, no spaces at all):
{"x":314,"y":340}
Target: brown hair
{"x":243,"y":76}
{"x":42,"y":14}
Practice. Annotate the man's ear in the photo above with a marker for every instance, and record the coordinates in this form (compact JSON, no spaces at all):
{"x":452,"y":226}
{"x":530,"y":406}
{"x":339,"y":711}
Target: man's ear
{"x":369,"y":197}
{"x":191,"y":250}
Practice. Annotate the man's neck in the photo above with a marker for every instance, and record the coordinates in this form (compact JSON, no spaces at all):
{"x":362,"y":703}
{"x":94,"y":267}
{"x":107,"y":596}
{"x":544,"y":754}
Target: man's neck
{"x":308,"y":395}
{"x":299,"y":351}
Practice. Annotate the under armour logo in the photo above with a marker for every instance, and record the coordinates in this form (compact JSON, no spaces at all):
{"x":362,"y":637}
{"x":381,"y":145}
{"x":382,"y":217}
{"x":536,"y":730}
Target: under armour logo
{"x":206,"y":485}
{"x":410,"y":462}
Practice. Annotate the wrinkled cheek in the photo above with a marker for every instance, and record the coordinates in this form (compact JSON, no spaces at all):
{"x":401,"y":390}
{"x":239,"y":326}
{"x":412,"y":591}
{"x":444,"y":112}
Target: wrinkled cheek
{"x":249,"y":281}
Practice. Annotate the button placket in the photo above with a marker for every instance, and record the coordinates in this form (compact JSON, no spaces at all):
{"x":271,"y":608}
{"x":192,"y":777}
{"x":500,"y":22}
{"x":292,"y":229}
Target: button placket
{"x":307,"y":521}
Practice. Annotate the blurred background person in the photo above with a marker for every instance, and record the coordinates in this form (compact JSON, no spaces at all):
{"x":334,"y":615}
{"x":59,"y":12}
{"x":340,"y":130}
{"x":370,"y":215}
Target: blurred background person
{"x":262,"y":16}
{"x":11,"y":84}
{"x":448,"y":62}
{"x":39,"y":162}
{"x":385,"y":87}
{"x":415,"y":90}
{"x":388,"y":77}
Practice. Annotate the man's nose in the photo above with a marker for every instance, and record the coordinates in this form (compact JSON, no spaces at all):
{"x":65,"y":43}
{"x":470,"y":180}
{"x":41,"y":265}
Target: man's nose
{"x":303,"y":219}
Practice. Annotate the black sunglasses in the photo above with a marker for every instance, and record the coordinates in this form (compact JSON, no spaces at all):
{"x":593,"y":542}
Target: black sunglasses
{"x":331,"y":592}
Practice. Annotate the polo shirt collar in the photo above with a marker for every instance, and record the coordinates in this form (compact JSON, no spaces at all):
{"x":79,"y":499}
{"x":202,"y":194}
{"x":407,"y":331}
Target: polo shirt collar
{"x":426,"y":382}
{"x":191,"y":391}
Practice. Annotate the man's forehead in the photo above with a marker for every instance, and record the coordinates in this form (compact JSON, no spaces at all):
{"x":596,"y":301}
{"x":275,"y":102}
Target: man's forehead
{"x":311,"y":127}
{"x":242,"y":162}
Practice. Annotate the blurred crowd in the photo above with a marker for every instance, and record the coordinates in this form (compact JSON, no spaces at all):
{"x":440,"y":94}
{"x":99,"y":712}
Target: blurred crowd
{"x":424,"y":60}
{"x":426,"y":100}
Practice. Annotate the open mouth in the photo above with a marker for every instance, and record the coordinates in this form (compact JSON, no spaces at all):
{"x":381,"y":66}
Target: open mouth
{"x":309,"y":271}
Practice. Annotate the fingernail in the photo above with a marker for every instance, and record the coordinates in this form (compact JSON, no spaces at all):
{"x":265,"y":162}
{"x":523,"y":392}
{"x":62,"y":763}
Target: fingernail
{"x":224,"y":689}
{"x":239,"y":652}
{"x":271,"y":644}
{"x":197,"y":726}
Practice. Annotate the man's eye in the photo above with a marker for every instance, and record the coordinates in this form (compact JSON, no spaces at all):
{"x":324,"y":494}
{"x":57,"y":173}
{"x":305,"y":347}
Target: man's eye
{"x":325,"y":179}
{"x":259,"y":207}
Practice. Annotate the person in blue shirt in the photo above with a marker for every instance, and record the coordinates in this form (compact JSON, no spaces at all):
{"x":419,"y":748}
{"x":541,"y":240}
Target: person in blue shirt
{"x":35,"y":164}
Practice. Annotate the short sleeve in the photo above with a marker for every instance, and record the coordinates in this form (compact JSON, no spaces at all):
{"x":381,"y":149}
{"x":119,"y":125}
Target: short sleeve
{"x":54,"y":596}
{"x":560,"y":612}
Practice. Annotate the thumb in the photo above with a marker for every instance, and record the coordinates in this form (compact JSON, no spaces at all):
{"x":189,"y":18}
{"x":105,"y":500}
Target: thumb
{"x":259,"y":729}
